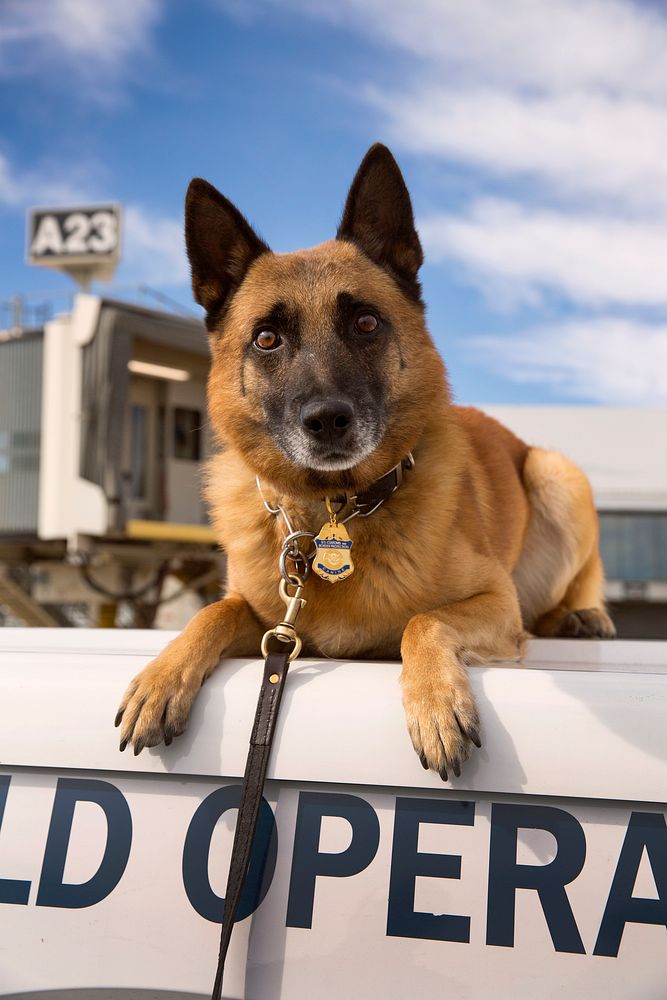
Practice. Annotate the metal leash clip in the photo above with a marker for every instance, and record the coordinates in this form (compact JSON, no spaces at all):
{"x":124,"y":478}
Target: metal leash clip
{"x":285,"y":631}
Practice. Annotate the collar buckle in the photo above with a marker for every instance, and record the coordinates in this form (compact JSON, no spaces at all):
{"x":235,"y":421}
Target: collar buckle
{"x":365,"y":504}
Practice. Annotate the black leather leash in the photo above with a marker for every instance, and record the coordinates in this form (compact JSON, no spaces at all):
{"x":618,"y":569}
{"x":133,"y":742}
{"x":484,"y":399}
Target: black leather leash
{"x":280,"y":645}
{"x":276,"y":665}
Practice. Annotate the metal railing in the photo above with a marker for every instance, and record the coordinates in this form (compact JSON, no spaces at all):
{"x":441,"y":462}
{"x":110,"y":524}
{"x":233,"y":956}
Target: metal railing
{"x":32,"y":310}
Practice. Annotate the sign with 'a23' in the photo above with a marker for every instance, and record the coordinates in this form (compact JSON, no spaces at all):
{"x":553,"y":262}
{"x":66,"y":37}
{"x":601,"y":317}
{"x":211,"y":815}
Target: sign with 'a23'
{"x":84,"y":234}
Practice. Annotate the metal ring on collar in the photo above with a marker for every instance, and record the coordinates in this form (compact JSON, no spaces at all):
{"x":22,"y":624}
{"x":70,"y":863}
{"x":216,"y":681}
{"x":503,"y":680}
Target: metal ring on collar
{"x":301,"y":566}
{"x":293,"y":540}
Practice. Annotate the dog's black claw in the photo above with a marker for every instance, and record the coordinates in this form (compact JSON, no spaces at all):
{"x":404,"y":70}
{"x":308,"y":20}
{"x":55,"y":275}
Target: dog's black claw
{"x":422,"y":757}
{"x":138,"y":747}
{"x":167,"y":740}
{"x":474,"y":736}
{"x":123,"y":744}
{"x":456,"y":767}
{"x":119,"y":716}
{"x":443,"y":773}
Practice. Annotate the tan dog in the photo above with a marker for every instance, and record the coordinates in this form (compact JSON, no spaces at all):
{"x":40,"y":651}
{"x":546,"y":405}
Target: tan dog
{"x":323,"y":378}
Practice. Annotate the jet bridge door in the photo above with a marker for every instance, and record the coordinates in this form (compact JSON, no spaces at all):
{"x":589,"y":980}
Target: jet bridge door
{"x":144,"y":449}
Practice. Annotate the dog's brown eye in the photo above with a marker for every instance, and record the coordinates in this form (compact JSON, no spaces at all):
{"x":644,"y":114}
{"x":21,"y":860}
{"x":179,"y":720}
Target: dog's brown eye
{"x":267,"y":340}
{"x":366,"y":323}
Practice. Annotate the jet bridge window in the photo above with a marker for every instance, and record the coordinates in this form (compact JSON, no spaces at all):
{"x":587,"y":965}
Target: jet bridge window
{"x":139,"y":442}
{"x":634,"y":545}
{"x":19,"y":451}
{"x":187,"y":434}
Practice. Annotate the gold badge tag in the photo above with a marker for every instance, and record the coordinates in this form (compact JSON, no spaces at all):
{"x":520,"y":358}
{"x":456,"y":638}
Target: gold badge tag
{"x":333,"y":561}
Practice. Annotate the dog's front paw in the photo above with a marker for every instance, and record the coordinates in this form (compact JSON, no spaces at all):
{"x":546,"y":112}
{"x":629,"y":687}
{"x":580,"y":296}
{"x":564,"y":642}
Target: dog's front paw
{"x":157,"y":703}
{"x":442,"y":716}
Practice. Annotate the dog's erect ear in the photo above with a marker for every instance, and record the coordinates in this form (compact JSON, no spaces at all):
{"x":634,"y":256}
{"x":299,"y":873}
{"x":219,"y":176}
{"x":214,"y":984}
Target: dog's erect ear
{"x":378,"y":217}
{"x":221,"y":244}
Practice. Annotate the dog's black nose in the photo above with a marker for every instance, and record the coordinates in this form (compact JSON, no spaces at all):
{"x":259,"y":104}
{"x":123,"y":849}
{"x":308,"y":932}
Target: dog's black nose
{"x":327,"y":419}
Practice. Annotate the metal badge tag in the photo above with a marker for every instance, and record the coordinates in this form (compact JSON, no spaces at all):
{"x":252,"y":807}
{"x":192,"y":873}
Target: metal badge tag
{"x":332,"y":560}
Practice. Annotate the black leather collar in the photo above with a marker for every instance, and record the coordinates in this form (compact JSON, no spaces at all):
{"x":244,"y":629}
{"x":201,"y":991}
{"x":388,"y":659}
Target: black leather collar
{"x":363,"y":504}
{"x":382,"y":488}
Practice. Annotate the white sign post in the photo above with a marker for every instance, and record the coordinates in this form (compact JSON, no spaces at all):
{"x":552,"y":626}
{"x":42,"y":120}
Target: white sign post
{"x":83,"y":242}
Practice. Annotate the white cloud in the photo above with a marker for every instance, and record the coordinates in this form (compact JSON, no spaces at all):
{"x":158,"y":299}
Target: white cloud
{"x":10,"y":187}
{"x":604,"y":360}
{"x":44,"y":186}
{"x":153,"y":249}
{"x":551,"y":45}
{"x":591,"y":259}
{"x":579,"y":144}
{"x":569,"y":93}
{"x":95,"y":41}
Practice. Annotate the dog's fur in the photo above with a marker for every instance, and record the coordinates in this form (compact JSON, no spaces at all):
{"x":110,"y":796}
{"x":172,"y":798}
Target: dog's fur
{"x":485,"y":539}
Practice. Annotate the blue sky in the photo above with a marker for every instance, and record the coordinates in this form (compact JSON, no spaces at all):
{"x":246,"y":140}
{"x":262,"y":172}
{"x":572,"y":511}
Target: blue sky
{"x":532,"y":135}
